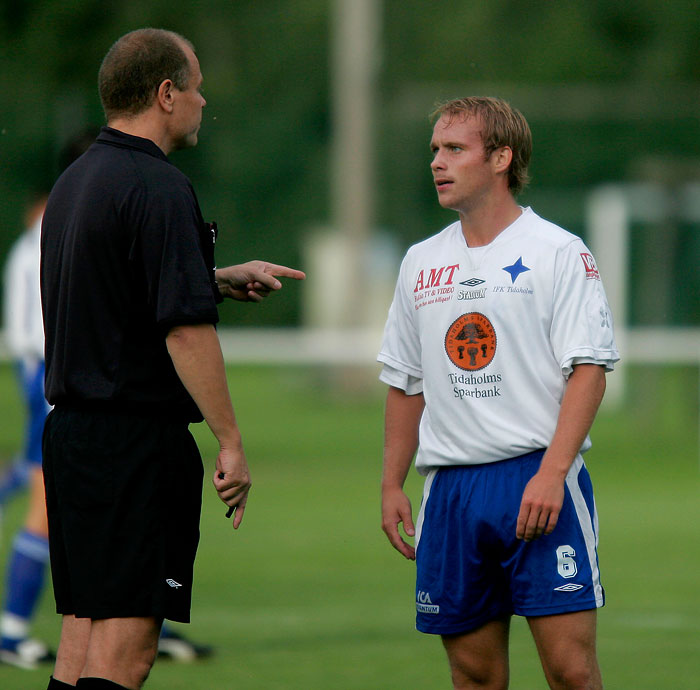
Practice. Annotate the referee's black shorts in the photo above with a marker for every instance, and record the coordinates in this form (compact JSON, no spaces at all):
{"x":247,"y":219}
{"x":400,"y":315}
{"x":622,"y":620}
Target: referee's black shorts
{"x":123,"y":497}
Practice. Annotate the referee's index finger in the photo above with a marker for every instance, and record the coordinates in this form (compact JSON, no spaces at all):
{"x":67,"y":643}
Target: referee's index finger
{"x":285,"y":272}
{"x":240,"y":509}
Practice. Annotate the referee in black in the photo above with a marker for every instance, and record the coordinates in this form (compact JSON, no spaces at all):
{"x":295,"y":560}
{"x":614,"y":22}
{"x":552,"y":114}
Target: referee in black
{"x":130,"y":294}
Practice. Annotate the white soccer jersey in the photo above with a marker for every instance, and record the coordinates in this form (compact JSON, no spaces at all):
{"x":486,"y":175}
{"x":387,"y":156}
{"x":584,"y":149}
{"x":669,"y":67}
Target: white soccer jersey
{"x":24,"y":329}
{"x":490,"y":335}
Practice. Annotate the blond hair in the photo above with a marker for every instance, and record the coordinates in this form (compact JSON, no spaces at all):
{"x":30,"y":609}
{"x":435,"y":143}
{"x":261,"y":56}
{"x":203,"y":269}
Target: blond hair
{"x":501,"y":125}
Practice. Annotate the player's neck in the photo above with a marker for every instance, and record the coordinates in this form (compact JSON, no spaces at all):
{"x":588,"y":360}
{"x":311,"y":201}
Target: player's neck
{"x":481,"y":226}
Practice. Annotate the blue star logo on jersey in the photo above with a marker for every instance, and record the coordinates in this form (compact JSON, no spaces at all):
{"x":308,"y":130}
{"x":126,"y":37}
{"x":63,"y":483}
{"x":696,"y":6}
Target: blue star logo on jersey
{"x":516,"y":269}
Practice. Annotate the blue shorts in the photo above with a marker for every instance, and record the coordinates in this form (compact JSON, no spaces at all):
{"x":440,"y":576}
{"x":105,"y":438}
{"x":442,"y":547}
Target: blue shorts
{"x":31,"y":375}
{"x":471,"y":568}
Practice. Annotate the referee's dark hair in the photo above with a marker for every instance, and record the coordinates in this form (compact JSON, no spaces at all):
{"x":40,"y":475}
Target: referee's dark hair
{"x":136,"y":65}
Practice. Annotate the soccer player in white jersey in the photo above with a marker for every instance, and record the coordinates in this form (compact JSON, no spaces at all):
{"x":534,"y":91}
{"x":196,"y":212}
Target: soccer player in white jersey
{"x":495,"y":353}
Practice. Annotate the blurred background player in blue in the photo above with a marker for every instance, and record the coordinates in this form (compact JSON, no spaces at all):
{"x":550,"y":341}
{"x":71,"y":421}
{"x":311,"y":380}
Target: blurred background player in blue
{"x":24,"y":334}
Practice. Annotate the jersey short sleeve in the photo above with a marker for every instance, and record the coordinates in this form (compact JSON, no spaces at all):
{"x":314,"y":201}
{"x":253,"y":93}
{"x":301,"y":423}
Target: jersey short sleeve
{"x":411,"y":385}
{"x":179,"y":288}
{"x":582,"y":327}
{"x":401,"y":345}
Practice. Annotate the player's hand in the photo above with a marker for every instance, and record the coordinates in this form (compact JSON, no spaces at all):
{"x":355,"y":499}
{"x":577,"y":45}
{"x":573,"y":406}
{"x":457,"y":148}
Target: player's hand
{"x":396,"y":509}
{"x":540,"y":507}
{"x":232,"y":482}
{"x":254,"y":280}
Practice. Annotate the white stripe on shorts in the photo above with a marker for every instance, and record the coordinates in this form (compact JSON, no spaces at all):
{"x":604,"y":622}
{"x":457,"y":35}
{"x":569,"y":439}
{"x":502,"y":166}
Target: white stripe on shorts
{"x":589,"y":525}
{"x":426,"y":494}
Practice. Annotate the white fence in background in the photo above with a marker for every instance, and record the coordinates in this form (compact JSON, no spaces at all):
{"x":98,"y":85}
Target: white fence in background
{"x":609,"y":214}
{"x":284,"y":346}
{"x":309,"y":346}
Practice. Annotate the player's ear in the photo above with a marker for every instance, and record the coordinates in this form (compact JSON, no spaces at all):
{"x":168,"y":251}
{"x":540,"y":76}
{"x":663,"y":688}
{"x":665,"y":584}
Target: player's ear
{"x":164,"y":95}
{"x":501,"y":159}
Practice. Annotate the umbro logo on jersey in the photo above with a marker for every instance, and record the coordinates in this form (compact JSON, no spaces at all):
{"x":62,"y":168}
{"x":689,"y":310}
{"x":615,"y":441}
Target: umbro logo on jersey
{"x":472,"y":294}
{"x":172,"y":583}
{"x":568,"y":588}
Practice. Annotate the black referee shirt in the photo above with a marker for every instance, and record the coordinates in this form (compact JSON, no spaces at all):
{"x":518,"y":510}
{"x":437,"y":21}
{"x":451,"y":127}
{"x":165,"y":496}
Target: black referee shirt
{"x":126,"y":256}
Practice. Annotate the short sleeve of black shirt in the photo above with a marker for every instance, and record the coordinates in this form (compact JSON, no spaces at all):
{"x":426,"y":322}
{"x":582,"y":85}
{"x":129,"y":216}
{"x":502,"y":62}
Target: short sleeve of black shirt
{"x":178,"y":282}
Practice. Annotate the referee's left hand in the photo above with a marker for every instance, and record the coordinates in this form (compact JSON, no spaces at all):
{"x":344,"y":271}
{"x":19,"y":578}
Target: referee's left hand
{"x":232,"y":481}
{"x":254,"y":280}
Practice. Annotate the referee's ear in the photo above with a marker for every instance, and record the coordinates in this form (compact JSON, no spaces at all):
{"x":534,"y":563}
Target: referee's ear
{"x":164,"y":95}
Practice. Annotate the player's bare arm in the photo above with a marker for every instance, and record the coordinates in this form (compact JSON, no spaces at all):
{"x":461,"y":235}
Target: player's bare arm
{"x":544,"y":493}
{"x":401,"y":421}
{"x":254,"y":280}
{"x":196,"y":355}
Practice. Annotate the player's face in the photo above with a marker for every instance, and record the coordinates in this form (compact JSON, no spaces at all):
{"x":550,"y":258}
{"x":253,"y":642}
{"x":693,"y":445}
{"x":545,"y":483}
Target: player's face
{"x":462,"y":173}
{"x":188,"y":106}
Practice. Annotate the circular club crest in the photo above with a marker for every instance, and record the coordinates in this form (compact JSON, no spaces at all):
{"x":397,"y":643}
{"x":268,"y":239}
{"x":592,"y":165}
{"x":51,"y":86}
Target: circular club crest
{"x":470,"y":342}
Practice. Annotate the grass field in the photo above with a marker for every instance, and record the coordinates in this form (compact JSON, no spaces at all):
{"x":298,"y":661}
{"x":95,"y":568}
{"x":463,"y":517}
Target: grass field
{"x":308,"y":595}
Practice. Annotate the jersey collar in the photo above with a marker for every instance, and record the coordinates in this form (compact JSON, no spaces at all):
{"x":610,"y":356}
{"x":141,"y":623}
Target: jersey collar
{"x":115,"y":137}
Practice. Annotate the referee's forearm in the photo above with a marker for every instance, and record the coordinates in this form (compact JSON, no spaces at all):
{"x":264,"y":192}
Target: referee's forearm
{"x":196,"y":355}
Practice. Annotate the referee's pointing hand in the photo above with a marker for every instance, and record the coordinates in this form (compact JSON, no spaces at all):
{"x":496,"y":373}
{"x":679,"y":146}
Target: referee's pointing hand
{"x":254,"y":280}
